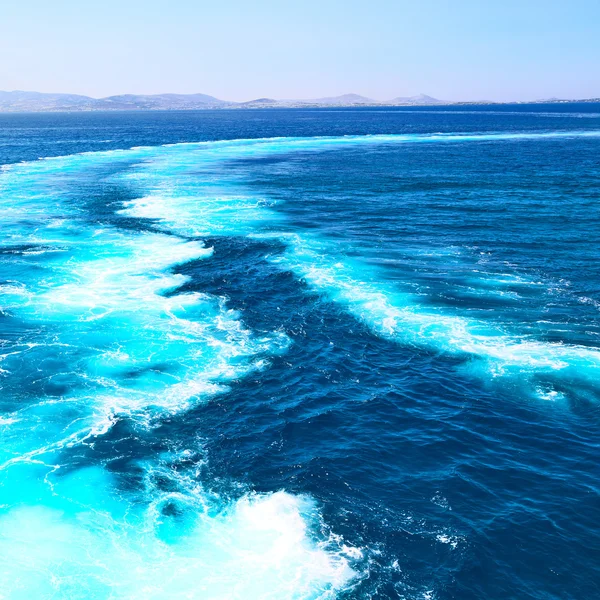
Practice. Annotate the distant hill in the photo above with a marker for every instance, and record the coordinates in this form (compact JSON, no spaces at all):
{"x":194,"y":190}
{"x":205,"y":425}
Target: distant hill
{"x":19,"y":101}
{"x":344,"y":100}
{"x":258,"y":103}
{"x":165,"y":101}
{"x":35,"y":101}
{"x":38,"y":102}
{"x":420,"y":100}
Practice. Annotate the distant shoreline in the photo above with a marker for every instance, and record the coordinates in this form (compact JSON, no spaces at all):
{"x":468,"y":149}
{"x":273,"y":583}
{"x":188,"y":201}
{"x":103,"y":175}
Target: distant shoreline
{"x":432,"y":108}
{"x":36,"y":102}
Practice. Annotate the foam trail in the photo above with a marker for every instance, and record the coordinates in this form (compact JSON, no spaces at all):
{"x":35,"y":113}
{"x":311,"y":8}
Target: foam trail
{"x":190,"y":206}
{"x":400,"y":317}
{"x":97,"y":330}
{"x":103,"y":334}
{"x":83,"y":539}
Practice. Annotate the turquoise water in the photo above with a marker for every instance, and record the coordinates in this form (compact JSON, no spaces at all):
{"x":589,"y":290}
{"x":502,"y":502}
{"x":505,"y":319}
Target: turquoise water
{"x":300,"y":354}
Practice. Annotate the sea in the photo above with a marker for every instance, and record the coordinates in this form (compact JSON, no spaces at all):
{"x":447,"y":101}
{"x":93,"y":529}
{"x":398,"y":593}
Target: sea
{"x":301,"y":354}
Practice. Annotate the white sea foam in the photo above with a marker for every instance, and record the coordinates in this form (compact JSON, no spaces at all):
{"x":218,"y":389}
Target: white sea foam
{"x":142,"y":349}
{"x":174,"y":194}
{"x":451,"y":540}
{"x":178,"y":198}
{"x":84,"y":543}
{"x":183,"y":348}
{"x":402,"y":318}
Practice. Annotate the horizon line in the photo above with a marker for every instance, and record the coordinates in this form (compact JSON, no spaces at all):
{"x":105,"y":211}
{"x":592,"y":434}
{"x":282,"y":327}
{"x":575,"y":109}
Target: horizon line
{"x":266,"y":99}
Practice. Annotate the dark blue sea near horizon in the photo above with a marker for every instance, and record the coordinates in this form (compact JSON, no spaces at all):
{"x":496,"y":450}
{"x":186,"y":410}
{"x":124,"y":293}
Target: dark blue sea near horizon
{"x":301,"y":354}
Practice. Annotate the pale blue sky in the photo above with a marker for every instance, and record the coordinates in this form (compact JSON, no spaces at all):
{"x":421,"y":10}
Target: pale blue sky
{"x":239,"y":50}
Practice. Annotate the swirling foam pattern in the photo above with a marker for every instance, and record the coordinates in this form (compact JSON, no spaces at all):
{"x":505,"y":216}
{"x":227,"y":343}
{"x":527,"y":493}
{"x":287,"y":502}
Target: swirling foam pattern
{"x":110,"y":339}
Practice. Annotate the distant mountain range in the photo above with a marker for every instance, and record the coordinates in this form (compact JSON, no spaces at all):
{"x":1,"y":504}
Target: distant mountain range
{"x":346,"y":100}
{"x":18,"y":101}
{"x":38,"y":102}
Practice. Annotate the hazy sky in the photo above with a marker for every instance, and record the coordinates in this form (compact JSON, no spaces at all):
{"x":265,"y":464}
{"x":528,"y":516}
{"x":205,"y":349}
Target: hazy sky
{"x":243,"y":49}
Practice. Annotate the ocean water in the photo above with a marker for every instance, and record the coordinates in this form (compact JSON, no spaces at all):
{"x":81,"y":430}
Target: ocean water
{"x":301,"y":354}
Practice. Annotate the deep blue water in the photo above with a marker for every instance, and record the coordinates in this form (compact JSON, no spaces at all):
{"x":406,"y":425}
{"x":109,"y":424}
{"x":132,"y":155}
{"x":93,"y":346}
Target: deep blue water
{"x":301,"y":354}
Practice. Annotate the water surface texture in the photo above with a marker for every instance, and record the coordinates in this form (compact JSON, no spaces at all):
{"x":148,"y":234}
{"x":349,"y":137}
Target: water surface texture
{"x":301,"y":354}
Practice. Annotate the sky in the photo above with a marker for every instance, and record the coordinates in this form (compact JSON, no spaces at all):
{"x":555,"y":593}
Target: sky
{"x":245,"y":49}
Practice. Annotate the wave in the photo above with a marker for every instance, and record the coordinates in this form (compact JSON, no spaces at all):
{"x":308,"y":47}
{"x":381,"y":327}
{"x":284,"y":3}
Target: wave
{"x":106,"y":335}
{"x":399,"y":316}
{"x":87,"y":539}
{"x":173,"y":194}
{"x":279,"y":144}
{"x":183,"y":189}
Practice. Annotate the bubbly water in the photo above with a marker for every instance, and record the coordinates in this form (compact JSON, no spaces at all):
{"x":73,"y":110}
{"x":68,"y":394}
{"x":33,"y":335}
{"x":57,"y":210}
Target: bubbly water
{"x":300,"y":354}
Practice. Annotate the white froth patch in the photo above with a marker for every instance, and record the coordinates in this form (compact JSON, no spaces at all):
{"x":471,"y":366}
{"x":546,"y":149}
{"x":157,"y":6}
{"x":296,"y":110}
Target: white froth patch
{"x":258,"y":547}
{"x":173,"y":193}
{"x":400,"y":317}
{"x":145,"y":349}
{"x":112,"y":291}
{"x":549,"y":394}
{"x":450,"y":540}
{"x":107,"y":295}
